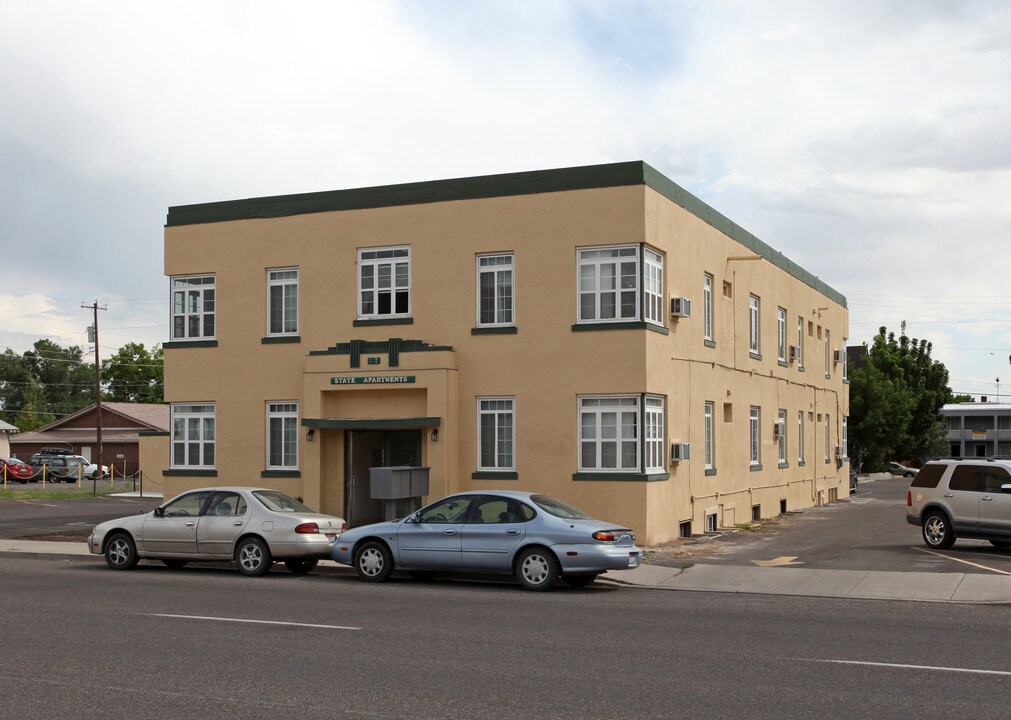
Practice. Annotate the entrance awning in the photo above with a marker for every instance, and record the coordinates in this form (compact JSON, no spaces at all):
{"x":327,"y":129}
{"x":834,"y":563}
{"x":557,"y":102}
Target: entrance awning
{"x":372,"y":423}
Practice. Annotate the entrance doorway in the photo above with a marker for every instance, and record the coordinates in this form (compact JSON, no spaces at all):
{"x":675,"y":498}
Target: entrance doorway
{"x":366,"y":449}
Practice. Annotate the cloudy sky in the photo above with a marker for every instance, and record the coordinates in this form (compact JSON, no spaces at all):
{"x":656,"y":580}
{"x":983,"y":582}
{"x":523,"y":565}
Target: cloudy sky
{"x":869,"y":141}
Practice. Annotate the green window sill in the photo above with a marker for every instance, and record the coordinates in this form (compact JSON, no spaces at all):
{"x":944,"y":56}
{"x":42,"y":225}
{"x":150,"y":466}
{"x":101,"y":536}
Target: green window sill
{"x":495,"y":475}
{"x":710,"y":472}
{"x":621,"y":477}
{"x":503,"y":330}
{"x":280,"y":339}
{"x":188,"y":472}
{"x":383,"y":321}
{"x":755,"y":468}
{"x":632,"y":325}
{"x":280,"y":474}
{"x":176,"y":344}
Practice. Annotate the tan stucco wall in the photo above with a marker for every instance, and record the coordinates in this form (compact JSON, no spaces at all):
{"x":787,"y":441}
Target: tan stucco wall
{"x":545,"y":366}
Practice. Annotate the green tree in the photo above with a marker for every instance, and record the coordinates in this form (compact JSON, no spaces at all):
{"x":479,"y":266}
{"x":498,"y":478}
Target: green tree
{"x":134,"y":374}
{"x":44,"y":383}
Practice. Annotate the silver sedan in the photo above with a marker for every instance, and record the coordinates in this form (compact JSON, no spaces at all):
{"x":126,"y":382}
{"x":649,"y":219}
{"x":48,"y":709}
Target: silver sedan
{"x":534,"y":537}
{"x":252,"y":526}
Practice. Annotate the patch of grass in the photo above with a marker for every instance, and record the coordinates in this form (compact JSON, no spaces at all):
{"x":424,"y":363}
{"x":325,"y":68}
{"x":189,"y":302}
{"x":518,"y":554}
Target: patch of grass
{"x":688,"y":566}
{"x":54,"y":492}
{"x":746,"y":527}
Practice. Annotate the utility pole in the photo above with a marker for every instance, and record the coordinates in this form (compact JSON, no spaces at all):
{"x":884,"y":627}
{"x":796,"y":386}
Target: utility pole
{"x":98,"y":387}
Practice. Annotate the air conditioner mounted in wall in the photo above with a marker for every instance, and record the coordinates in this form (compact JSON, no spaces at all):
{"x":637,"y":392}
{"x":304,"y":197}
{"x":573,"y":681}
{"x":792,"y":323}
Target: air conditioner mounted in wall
{"x":680,"y":307}
{"x":794,"y":353}
{"x":837,"y":356}
{"x":680,"y":451}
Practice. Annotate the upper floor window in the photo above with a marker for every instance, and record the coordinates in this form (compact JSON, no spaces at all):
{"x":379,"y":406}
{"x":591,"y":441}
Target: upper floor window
{"x":282,"y":435}
{"x":495,"y":289}
{"x":845,"y":361}
{"x":707,"y":306}
{"x":496,"y":433}
{"x":800,"y":341}
{"x":384,"y":282}
{"x":754,"y":324}
{"x":282,"y":302}
{"x":613,"y":286}
{"x":800,"y":436}
{"x":710,"y":439}
{"x":828,"y":354}
{"x":193,"y":435}
{"x":193,"y":307}
{"x":781,"y":334}
{"x":609,"y":434}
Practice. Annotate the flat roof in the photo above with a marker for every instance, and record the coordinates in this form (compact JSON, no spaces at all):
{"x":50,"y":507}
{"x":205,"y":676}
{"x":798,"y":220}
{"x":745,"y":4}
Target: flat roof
{"x":487,"y":186}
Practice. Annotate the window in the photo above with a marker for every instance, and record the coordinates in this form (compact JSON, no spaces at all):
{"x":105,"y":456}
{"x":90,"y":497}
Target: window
{"x":828,"y":442}
{"x":710,"y":446}
{"x":193,"y":307}
{"x":845,"y":449}
{"x":754,"y":327}
{"x":707,"y":306}
{"x":384,"y":282}
{"x":1004,"y":422}
{"x":282,"y":302}
{"x":828,"y":354}
{"x":495,"y":290}
{"x":845,"y":361}
{"x":781,"y":334}
{"x":282,"y":435}
{"x":496,"y":433}
{"x":755,"y":435}
{"x":781,"y":424}
{"x":193,"y":436}
{"x":800,"y":437}
{"x":609,"y":285}
{"x":800,"y":342}
{"x":609,"y":438}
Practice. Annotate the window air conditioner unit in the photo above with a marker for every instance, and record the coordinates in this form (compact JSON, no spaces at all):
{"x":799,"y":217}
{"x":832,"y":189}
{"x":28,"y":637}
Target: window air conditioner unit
{"x":777,"y":430}
{"x":680,"y":451}
{"x":794,"y":353}
{"x":837,"y":356}
{"x":680,"y":307}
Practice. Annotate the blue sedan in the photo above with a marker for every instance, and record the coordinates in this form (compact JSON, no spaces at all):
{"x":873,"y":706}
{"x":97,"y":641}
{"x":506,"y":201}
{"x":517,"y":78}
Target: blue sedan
{"x":535,"y":537}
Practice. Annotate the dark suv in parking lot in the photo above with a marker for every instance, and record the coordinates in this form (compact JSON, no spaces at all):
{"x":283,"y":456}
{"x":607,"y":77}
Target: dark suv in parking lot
{"x":60,"y":465}
{"x":951,"y":499}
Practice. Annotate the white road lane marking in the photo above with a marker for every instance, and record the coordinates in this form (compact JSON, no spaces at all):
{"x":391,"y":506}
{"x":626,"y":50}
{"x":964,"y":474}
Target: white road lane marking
{"x":975,"y":565}
{"x":255,"y":622}
{"x":902,"y":666}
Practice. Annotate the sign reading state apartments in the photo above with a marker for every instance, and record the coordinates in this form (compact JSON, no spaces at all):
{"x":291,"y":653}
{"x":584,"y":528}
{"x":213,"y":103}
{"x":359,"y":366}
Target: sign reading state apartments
{"x":372,"y":380}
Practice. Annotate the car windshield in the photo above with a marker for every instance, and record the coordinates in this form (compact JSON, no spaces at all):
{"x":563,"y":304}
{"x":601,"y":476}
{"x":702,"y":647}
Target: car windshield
{"x":557,"y":508}
{"x":12,"y":461}
{"x":280,"y":502}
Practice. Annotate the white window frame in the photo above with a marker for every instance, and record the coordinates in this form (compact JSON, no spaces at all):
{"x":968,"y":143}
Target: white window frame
{"x":188,"y":301}
{"x":707,"y":306}
{"x":630,"y":412}
{"x":781,"y":420}
{"x":600,"y":273}
{"x":501,"y":268}
{"x":378,"y":258}
{"x":284,"y":413}
{"x":845,"y":357}
{"x":781,"y":334}
{"x":828,"y":354}
{"x":828,"y":440}
{"x":800,"y":437}
{"x":193,"y":431}
{"x":755,"y":324}
{"x":710,"y":439}
{"x":845,"y":437}
{"x":502,"y":411}
{"x":283,"y":278}
{"x":755,"y":435}
{"x":800,"y":341}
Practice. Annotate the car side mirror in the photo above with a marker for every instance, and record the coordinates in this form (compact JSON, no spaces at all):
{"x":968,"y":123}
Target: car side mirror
{"x":159,"y":512}
{"x":1005,"y":488}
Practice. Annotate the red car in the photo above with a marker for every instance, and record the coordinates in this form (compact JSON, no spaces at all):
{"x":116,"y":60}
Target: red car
{"x":13,"y":469}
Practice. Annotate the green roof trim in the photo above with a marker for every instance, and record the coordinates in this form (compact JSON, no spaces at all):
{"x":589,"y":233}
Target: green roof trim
{"x":531,"y":182}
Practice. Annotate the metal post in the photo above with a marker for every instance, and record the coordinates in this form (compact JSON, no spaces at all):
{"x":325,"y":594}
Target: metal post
{"x":98,"y":386}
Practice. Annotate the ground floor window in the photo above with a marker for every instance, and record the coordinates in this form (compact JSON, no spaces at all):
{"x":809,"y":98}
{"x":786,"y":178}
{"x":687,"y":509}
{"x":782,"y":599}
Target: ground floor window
{"x":496,"y":433}
{"x":193,"y":434}
{"x":282,"y":435}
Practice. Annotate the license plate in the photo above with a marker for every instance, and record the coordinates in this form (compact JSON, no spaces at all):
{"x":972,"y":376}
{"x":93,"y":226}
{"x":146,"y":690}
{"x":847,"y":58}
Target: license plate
{"x":633,"y":560}
{"x":331,"y":538}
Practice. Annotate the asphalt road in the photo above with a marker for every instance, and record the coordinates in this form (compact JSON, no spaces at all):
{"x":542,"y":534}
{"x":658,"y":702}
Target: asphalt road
{"x":27,"y":518}
{"x":867,"y":532}
{"x":80,"y":640}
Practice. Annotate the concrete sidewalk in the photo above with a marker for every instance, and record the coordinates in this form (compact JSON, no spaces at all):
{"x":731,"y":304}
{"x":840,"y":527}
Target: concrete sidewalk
{"x":972,"y":588}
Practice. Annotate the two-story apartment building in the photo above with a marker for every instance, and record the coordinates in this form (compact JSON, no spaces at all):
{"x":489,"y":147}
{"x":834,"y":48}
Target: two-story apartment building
{"x":978,"y":429}
{"x":595,"y":333}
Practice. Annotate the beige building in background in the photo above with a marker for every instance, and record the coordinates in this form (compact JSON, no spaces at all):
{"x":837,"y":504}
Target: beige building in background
{"x":595,"y":333}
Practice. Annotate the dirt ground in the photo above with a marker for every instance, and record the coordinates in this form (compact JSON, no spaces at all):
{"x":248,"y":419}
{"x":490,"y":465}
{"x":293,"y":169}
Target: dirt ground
{"x":711,"y":545}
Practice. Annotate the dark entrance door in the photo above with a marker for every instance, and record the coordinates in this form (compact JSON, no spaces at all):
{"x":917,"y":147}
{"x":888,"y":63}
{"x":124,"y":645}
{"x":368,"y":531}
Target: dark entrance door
{"x":374,"y":448}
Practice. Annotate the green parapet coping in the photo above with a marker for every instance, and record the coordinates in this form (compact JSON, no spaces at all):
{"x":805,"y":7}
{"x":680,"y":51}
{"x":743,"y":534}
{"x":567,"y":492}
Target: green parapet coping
{"x":177,"y":344}
{"x":494,"y":475}
{"x":280,"y":339}
{"x":372,"y":424}
{"x":621,"y":477}
{"x":181,"y":472}
{"x":280,"y":474}
{"x":505,"y":330}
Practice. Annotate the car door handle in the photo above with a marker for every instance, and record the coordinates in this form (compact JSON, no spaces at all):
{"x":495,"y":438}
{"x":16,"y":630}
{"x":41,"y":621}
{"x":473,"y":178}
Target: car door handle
{"x":449,"y":532}
{"x":237,"y":523}
{"x":948,"y":495}
{"x":987,"y":498}
{"x":190,"y":524}
{"x":512,"y":532}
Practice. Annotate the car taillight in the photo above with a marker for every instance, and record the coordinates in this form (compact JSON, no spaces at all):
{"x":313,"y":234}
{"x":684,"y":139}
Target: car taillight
{"x":909,"y":498}
{"x":612,"y":535}
{"x":344,"y":527}
{"x":307,"y":528}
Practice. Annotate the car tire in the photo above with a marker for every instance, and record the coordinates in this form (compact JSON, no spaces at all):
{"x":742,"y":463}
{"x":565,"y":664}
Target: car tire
{"x":937,"y":532}
{"x":175,"y":563}
{"x":253,"y":557}
{"x":301,"y":566}
{"x":1001,"y":544}
{"x":909,"y":475}
{"x":537,"y":569}
{"x":120,"y":552}
{"x":578,"y":581}
{"x":373,"y":562}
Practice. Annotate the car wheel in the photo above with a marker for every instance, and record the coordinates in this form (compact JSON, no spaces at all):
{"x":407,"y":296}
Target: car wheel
{"x":578,"y":581}
{"x":908,"y":475}
{"x":1001,"y":544}
{"x":937,"y":531}
{"x":120,"y":552}
{"x":300,"y":566}
{"x":537,"y":569}
{"x":373,"y":562}
{"x":253,"y":557}
{"x":175,"y":563}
